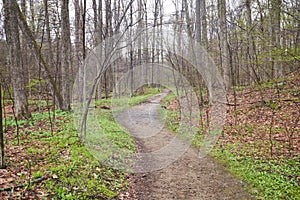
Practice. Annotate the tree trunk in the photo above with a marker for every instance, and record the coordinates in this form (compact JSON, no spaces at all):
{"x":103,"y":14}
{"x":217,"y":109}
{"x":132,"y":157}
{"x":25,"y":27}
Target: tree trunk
{"x":2,"y":159}
{"x":223,"y":42}
{"x":187,"y":18}
{"x":16,"y":64}
{"x":250,"y":46}
{"x":108,"y":75}
{"x":140,"y":26}
{"x":275,"y":15}
{"x":198,"y":22}
{"x":95,"y":22}
{"x":78,"y":47}
{"x":66,"y":55}
{"x":203,"y":23}
{"x":50,"y":55}
{"x":100,"y":39}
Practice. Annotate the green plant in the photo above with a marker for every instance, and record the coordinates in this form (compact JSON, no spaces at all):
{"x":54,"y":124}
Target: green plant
{"x":268,"y":179}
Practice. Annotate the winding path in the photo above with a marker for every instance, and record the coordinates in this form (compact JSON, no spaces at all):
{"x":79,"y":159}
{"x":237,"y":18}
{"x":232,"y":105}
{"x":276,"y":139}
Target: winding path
{"x":189,"y":177}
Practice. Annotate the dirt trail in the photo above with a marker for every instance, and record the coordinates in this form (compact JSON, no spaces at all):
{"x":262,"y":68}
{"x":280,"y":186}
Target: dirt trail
{"x":189,"y":177}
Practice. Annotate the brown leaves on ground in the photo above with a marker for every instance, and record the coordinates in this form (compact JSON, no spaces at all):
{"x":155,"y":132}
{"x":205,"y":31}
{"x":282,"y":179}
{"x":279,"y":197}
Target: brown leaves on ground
{"x":173,"y":105}
{"x":264,"y":118}
{"x":268,"y":116}
{"x":25,"y":161}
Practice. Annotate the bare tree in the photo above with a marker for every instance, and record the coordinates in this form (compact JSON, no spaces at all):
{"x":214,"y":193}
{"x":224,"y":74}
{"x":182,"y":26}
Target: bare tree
{"x":223,"y":42}
{"x":198,"y":21}
{"x":50,"y":53}
{"x":252,"y":69}
{"x":66,"y":55}
{"x":275,"y":20}
{"x":203,"y":22}
{"x":21,"y":21}
{"x":187,"y":18}
{"x":100,"y":39}
{"x":15,"y":58}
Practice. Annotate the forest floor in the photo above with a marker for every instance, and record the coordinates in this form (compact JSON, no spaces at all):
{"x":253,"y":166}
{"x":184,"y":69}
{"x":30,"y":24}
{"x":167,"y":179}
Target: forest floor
{"x":188,"y":177}
{"x":258,"y":152}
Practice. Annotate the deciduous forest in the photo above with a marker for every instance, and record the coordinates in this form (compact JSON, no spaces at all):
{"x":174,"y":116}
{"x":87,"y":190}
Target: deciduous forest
{"x":240,"y":60}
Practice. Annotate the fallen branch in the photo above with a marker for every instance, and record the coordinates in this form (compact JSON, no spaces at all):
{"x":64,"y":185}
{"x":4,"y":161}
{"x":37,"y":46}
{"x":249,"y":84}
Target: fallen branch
{"x":38,"y":180}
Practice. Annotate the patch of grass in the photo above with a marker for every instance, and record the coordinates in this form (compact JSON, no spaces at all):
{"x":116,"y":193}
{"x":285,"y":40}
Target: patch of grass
{"x":75,"y":173}
{"x":168,"y":98}
{"x":37,"y":175}
{"x":171,"y":119}
{"x":129,"y":101}
{"x":147,"y":92}
{"x":107,"y":139}
{"x":197,"y":141}
{"x":268,"y":179}
{"x":72,"y":172}
{"x":84,"y":176}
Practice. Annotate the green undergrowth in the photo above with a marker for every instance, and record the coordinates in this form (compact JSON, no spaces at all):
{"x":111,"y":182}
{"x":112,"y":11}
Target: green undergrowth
{"x":268,"y":178}
{"x":106,"y":139}
{"x":171,"y":119}
{"x":71,"y":171}
{"x":168,"y":98}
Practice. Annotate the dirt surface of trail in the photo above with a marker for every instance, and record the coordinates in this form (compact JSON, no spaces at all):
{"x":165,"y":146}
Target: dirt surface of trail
{"x":187,"y":177}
